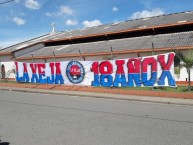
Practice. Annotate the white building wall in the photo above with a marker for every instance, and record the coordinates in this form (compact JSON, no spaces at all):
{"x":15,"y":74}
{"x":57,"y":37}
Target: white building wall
{"x":184,"y":75}
{"x":9,"y":69}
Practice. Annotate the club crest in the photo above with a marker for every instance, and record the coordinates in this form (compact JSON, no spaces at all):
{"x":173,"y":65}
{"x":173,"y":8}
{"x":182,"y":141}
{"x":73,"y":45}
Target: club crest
{"x":75,"y":72}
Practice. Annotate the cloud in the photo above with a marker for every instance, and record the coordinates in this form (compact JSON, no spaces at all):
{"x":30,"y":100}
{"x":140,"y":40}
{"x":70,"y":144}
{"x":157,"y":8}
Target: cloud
{"x":49,"y":14}
{"x":91,"y":23}
{"x":66,"y":10}
{"x":63,"y":10}
{"x":53,"y":14}
{"x":146,"y":13}
{"x":71,"y":22}
{"x":32,"y":4}
{"x":115,"y":9}
{"x":18,"y":21}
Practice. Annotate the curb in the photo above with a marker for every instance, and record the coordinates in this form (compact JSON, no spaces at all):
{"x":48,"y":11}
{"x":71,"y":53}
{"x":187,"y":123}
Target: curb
{"x":165,"y":100}
{"x":113,"y":91}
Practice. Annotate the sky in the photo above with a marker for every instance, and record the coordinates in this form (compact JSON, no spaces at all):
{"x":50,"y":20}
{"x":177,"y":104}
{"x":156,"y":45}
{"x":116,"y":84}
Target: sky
{"x":21,"y":20}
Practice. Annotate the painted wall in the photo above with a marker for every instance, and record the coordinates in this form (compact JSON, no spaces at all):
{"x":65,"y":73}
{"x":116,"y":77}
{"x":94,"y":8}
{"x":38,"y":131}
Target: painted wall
{"x":182,"y":77}
{"x":156,"y":70}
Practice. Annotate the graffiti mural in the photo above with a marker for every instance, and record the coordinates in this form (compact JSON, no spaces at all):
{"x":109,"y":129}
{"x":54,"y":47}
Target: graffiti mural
{"x":157,"y":70}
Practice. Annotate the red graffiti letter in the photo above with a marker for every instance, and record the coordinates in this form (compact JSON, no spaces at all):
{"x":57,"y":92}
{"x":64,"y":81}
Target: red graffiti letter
{"x":95,"y":68}
{"x":58,"y":70}
{"x":134,"y":65}
{"x":16,"y":66}
{"x":24,"y":68}
{"x":52,"y":67}
{"x":41,"y":68}
{"x":108,"y":66}
{"x":120,"y":69}
{"x":149,"y":61}
{"x":164,"y":65}
{"x":33,"y":67}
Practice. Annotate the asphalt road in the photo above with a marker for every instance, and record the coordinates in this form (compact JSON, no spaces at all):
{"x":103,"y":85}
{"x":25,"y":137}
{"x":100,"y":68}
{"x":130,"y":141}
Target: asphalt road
{"x":43,"y":119}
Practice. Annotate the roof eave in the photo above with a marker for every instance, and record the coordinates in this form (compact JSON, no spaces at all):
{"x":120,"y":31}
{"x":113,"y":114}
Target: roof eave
{"x":120,"y":32}
{"x":5,"y":53}
{"x":106,"y":53}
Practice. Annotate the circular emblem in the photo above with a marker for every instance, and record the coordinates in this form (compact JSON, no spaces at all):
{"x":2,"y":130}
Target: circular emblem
{"x":75,"y":72}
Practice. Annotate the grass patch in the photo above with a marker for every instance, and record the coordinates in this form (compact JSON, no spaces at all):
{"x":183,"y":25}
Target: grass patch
{"x":8,"y":82}
{"x":166,"y":89}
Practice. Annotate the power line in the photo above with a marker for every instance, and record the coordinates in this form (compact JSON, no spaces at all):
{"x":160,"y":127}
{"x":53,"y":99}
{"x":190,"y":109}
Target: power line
{"x":1,"y":3}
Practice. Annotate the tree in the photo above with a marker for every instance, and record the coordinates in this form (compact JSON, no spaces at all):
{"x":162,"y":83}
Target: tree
{"x":187,"y":62}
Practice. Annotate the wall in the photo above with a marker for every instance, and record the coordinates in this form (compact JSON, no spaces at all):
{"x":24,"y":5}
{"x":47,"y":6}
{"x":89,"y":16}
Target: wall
{"x":182,"y":77}
{"x":9,"y":66}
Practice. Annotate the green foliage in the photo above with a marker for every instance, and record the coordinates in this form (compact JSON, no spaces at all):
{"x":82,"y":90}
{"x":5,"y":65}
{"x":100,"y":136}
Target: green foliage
{"x":177,"y":71}
{"x":187,"y":62}
{"x":164,"y":89}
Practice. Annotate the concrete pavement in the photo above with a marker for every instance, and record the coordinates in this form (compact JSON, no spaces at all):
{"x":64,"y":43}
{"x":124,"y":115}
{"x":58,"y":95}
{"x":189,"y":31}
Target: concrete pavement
{"x":166,"y":100}
{"x":46,"y":119}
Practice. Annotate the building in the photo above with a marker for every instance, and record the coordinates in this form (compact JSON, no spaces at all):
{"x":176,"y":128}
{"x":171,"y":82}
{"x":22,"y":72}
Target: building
{"x":131,"y":38}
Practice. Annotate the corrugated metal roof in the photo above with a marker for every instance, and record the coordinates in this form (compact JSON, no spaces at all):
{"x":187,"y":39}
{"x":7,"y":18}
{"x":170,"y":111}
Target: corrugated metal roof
{"x":160,"y":41}
{"x":129,"y":24}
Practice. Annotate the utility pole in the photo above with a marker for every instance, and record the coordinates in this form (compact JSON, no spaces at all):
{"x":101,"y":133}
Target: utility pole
{"x":80,"y":55}
{"x":111,"y":53}
{"x":54,"y":56}
{"x":32,"y":58}
{"x":152,"y":48}
{"x":152,"y":54}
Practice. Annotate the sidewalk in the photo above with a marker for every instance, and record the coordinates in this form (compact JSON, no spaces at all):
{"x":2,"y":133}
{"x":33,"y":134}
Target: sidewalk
{"x":119,"y":94}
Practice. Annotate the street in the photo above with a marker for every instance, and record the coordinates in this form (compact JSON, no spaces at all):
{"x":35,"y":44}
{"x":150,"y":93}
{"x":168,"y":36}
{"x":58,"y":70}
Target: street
{"x":44,"y":119}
